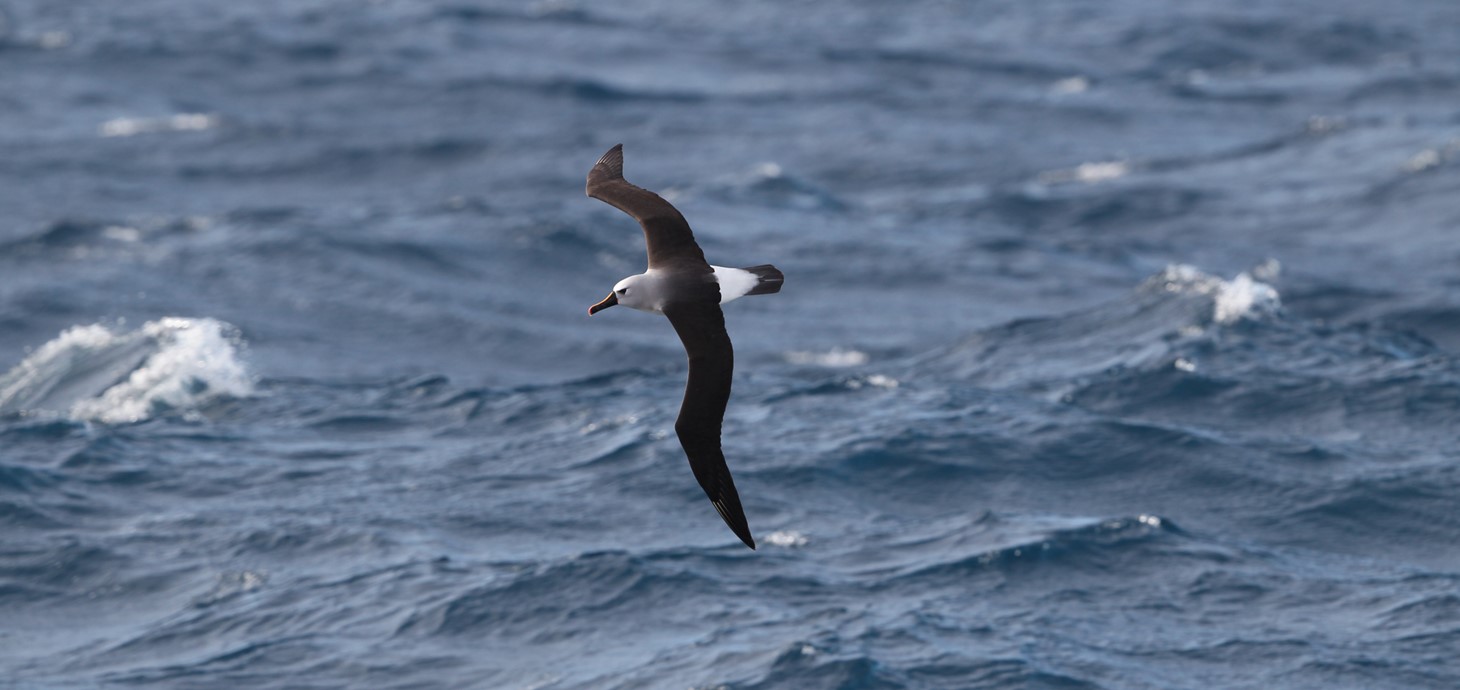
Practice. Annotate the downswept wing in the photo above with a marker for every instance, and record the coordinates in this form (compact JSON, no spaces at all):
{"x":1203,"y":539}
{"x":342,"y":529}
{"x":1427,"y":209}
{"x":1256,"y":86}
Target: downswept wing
{"x":666,"y":232}
{"x":701,"y":326}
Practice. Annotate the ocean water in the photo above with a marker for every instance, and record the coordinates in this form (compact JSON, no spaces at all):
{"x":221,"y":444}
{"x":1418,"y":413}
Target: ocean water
{"x":1119,"y":346}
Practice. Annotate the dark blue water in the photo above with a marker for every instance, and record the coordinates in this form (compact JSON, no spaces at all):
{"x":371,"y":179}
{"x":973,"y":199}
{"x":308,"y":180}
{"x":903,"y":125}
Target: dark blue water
{"x":1120,"y":345}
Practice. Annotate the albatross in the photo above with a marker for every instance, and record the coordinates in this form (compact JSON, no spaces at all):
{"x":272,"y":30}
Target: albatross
{"x":686,"y":289}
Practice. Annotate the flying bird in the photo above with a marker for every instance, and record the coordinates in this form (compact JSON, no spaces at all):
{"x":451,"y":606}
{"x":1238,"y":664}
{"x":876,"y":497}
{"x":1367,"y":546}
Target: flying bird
{"x":684,"y":287}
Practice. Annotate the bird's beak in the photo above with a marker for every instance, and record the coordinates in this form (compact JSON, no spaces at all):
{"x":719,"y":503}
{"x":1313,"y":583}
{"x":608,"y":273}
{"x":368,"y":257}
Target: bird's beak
{"x":607,"y":302}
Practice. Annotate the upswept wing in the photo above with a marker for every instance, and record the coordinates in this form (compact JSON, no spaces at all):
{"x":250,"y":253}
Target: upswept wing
{"x":666,"y":232}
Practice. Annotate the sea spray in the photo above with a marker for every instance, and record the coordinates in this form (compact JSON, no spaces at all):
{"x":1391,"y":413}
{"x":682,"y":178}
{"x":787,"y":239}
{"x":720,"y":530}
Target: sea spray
{"x":96,"y":373}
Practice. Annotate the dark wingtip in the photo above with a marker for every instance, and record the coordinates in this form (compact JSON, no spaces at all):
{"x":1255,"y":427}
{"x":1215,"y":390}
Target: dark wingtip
{"x":734,"y":518}
{"x":743,"y":531}
{"x":612,"y":161}
{"x":610,"y":166}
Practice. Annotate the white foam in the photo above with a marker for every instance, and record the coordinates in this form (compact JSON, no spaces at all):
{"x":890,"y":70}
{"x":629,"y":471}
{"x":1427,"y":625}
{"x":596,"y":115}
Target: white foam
{"x":1242,"y":297}
{"x":1088,"y":173}
{"x":875,"y":381}
{"x":1433,"y":157}
{"x":1075,"y":84}
{"x":769,"y":170}
{"x":181,"y":122}
{"x":835,"y":358}
{"x":1424,"y":160}
{"x":786,"y":538}
{"x":54,"y":40}
{"x":95,"y":373}
{"x":231,"y":584}
{"x":1099,"y":172}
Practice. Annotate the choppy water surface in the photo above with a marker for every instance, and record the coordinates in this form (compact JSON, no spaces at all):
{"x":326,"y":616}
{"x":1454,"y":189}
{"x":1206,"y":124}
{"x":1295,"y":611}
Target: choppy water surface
{"x":1120,"y":345}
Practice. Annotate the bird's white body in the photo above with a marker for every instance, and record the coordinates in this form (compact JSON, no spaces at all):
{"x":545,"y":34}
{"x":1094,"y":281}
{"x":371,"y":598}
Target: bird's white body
{"x":645,"y":291}
{"x":734,"y":282}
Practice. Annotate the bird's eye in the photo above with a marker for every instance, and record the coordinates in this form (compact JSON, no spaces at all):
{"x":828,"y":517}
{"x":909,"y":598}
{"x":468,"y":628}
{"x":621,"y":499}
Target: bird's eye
{"x":624,"y":291}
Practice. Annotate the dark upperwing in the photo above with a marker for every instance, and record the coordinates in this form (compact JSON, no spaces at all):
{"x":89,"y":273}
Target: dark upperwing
{"x":666,"y":232}
{"x":701,"y":326}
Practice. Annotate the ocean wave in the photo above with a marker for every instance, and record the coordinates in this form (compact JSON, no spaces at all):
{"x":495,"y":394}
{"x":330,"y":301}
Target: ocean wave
{"x":100,"y":239}
{"x":1069,"y":543}
{"x":769,"y":185}
{"x":388,"y":194}
{"x":569,"y":593}
{"x":1247,"y":45}
{"x":803,"y":665}
{"x":14,"y":515}
{"x":834,"y":358}
{"x":350,"y":159}
{"x":1233,"y":300}
{"x":95,"y":373}
{"x":22,"y":480}
{"x":543,"y":10}
{"x":588,"y":89}
{"x":181,"y":122}
{"x":1048,"y":206}
{"x":1137,"y":331}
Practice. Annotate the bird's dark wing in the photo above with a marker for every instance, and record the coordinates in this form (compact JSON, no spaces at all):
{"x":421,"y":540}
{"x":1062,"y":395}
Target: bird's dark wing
{"x":666,"y":232}
{"x":701,"y":326}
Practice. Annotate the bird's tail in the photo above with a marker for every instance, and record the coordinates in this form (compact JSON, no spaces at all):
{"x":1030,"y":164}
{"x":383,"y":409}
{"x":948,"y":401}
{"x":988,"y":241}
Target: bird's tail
{"x":768,"y":279}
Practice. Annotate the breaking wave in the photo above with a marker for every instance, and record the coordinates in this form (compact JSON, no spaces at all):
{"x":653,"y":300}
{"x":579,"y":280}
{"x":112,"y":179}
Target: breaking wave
{"x":96,"y":373}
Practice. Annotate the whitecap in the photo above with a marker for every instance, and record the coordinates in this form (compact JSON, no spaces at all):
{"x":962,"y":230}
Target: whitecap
{"x":95,"y":373}
{"x":874,"y":381}
{"x":181,"y":122}
{"x":1088,"y":173}
{"x":1075,"y":84}
{"x":786,"y":538}
{"x":833,"y":358}
{"x":1242,"y":297}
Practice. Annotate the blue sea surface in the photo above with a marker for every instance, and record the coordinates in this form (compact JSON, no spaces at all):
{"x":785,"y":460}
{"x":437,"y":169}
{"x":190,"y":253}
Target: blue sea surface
{"x":1119,"y":345}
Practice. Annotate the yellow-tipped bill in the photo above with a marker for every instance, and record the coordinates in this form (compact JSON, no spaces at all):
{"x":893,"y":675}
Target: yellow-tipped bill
{"x":607,"y":302}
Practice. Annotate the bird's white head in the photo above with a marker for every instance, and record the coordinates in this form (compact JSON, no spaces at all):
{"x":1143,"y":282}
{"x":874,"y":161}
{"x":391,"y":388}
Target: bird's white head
{"x":634,"y":292}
